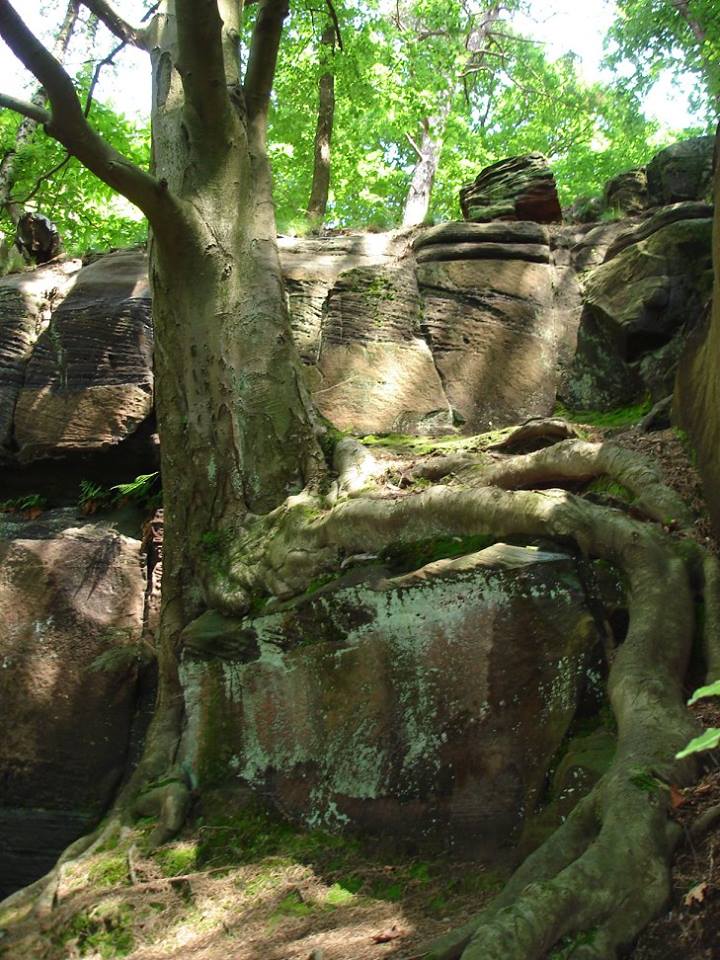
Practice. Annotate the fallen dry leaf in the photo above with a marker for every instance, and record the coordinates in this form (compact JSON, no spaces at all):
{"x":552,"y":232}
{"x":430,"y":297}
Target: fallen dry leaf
{"x":677,"y":797}
{"x":696,"y":895}
{"x":387,"y":936}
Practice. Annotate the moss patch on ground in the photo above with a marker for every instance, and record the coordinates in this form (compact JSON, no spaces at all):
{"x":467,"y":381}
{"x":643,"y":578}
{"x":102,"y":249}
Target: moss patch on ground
{"x":620,"y":417}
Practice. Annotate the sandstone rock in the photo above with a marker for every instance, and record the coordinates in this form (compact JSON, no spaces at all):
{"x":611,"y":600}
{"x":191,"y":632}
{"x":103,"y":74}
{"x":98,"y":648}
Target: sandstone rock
{"x":690,"y":210}
{"x":88,"y":384}
{"x":413,"y":706}
{"x":492,"y":332}
{"x":518,"y":188}
{"x":374,"y":366}
{"x":26,"y":303}
{"x":627,"y":192}
{"x":636,"y":305}
{"x":68,"y":593}
{"x":682,"y":171}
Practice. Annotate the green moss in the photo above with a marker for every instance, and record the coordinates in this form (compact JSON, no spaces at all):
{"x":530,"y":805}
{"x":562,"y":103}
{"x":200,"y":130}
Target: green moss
{"x":176,"y":859}
{"x":105,"y":931}
{"x":338,"y":896}
{"x":293,"y":905}
{"x":611,"y":488}
{"x":420,"y":446}
{"x":404,"y":557}
{"x":568,"y":945}
{"x":253,"y":834}
{"x":620,"y":417}
{"x":319,"y":582}
{"x":109,"y":871}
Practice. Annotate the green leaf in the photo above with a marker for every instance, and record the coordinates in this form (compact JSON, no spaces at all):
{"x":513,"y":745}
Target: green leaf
{"x":713,"y":690}
{"x":706,"y":741}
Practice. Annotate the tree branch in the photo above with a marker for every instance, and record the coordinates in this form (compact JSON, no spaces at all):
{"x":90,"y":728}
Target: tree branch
{"x":68,"y":125}
{"x":262,"y":58}
{"x":116,"y":24}
{"x":201,"y":65}
{"x":24,"y":107}
{"x":335,"y":21}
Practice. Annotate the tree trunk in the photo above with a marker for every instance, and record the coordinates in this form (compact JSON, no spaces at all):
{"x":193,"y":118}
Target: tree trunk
{"x":697,"y":389}
{"x":428,"y":152}
{"x":237,"y":428}
{"x":323,"y":132}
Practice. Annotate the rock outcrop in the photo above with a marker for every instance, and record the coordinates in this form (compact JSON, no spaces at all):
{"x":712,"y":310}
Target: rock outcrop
{"x":70,"y":593}
{"x":518,"y":188}
{"x":682,"y":171}
{"x":427,"y":705}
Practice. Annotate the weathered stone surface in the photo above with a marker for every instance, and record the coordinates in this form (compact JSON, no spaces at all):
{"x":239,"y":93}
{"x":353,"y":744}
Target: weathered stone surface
{"x":27,"y":300}
{"x":627,"y":192}
{"x":429,"y":705}
{"x":518,"y":188}
{"x":374,"y":366}
{"x":88,"y":384}
{"x":462,"y":232}
{"x":690,"y":210}
{"x":636,"y":305}
{"x":682,"y":171}
{"x":492,"y":332}
{"x":68,"y":593}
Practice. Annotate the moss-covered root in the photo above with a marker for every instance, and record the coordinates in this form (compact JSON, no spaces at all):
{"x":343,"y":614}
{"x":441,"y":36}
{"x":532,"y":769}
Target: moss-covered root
{"x":711,"y":631}
{"x":600,"y":879}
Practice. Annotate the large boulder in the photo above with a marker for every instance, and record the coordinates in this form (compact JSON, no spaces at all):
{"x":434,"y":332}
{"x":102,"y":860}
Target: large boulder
{"x":627,"y":192}
{"x":423,"y":706}
{"x":27,"y":301}
{"x":492,"y":331}
{"x":69,"y":593}
{"x":518,"y":188}
{"x":638,"y":306}
{"x":682,"y":171}
{"x":88,"y":384}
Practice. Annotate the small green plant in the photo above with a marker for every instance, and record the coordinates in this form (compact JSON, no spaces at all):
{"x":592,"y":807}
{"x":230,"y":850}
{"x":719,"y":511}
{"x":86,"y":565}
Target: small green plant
{"x":144,"y":490}
{"x":710,"y":738}
{"x":104,"y":931}
{"x":93,"y":497}
{"x":29,"y":506}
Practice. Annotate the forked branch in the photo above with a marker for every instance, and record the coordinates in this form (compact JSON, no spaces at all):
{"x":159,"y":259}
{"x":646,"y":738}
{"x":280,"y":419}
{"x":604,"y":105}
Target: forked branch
{"x":67,"y":123}
{"x":116,"y":24}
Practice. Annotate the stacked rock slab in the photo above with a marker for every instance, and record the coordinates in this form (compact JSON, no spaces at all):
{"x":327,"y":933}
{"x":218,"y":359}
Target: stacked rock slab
{"x":487,"y":292}
{"x":69,"y":593}
{"x":88,"y":384}
{"x":427,"y":705}
{"x":517,"y":188}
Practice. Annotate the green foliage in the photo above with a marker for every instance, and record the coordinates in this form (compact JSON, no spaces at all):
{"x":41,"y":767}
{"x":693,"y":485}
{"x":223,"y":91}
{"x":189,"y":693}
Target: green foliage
{"x":88,"y":213}
{"x":144,"y":490}
{"x":710,"y":738}
{"x":712,"y":690}
{"x":707,"y":740}
{"x":654,"y":36}
{"x":611,"y":488}
{"x":30,"y":503}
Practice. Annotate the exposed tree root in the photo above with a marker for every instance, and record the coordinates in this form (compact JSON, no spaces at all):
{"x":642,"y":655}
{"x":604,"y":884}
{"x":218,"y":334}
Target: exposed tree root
{"x":605,"y":872}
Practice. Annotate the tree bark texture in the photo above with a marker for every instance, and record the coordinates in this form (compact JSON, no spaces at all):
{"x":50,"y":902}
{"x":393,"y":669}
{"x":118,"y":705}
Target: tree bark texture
{"x":320,"y":189}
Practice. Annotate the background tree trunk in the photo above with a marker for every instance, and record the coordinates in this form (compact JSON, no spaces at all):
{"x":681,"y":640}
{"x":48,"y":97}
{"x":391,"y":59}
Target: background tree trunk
{"x":323,"y":132}
{"x":428,"y":153}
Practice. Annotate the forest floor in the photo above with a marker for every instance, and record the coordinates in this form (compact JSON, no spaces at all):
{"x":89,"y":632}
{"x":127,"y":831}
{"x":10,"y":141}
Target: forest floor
{"x":245,"y":886}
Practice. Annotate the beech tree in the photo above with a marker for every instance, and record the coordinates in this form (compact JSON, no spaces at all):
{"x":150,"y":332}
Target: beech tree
{"x":253,"y":508}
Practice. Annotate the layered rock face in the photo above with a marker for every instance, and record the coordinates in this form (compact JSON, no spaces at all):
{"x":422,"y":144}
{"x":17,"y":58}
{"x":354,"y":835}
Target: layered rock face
{"x":427,"y":705}
{"x":464,"y":326}
{"x":518,"y":188}
{"x":69,"y":594}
